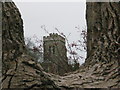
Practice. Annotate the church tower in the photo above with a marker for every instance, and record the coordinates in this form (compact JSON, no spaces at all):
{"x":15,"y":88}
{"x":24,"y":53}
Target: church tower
{"x":55,"y":54}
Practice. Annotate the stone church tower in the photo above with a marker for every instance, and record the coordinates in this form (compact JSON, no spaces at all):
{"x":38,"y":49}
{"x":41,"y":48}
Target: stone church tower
{"x":55,"y":54}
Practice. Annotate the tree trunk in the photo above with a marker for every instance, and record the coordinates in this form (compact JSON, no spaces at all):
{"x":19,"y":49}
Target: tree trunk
{"x":101,"y":69}
{"x":103,"y":23}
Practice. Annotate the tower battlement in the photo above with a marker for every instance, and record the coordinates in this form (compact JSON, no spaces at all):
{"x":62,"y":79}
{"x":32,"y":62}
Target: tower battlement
{"x":54,"y":37}
{"x":55,"y":54}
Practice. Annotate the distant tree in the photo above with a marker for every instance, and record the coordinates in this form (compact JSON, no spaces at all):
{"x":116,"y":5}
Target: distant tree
{"x":35,"y":47}
{"x":34,"y":50}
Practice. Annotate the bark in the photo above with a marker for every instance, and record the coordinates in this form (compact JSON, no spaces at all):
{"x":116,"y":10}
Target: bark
{"x":19,"y":70}
{"x":101,"y":69}
{"x":102,"y":66}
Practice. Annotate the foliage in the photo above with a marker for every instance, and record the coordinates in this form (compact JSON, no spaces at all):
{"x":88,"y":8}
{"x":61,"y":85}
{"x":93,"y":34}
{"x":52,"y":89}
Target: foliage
{"x":33,"y":50}
{"x":35,"y":47}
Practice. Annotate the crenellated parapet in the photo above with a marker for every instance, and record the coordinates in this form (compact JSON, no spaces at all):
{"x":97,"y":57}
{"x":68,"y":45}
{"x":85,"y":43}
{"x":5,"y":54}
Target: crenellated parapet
{"x":54,"y":37}
{"x":55,"y":54}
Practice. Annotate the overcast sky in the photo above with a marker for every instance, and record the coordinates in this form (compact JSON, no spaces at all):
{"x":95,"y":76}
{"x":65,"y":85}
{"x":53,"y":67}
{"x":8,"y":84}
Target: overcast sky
{"x":63,"y":15}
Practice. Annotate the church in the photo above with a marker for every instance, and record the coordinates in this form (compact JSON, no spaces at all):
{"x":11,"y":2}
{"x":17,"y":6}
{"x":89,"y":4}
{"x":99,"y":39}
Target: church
{"x":55,"y":54}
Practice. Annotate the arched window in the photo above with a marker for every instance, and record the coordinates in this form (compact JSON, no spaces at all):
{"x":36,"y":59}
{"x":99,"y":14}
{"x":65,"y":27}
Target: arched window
{"x":49,"y":49}
{"x":53,"y":49}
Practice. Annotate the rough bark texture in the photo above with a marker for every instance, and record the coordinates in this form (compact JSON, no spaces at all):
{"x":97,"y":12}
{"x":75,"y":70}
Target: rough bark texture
{"x":18,"y":69}
{"x":101,"y":69}
{"x":103,"y":21}
{"x":102,"y":66}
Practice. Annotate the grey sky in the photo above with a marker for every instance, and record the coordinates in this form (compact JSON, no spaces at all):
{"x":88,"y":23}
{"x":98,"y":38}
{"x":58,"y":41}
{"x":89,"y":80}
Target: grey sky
{"x":63,"y":15}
